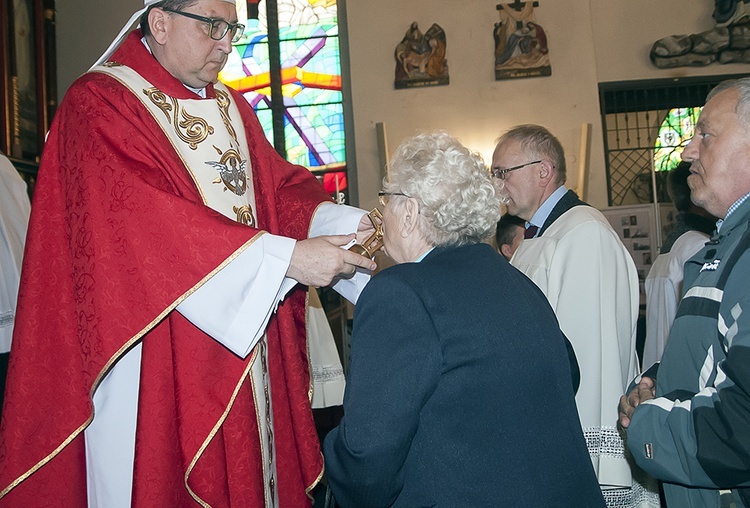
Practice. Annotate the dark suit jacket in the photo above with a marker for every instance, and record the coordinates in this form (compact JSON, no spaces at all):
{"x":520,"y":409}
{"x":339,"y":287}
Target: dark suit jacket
{"x":459,"y":393}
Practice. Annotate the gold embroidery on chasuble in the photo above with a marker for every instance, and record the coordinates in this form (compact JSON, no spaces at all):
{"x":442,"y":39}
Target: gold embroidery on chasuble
{"x":191,"y":129}
{"x":245,"y":215}
{"x":202,"y":133}
{"x":261,"y":385}
{"x":231,"y":171}
{"x":216,"y":155}
{"x":224,"y":102}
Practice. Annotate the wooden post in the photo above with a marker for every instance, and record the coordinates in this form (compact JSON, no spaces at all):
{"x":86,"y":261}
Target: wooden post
{"x":583,"y":160}
{"x":383,"y":155}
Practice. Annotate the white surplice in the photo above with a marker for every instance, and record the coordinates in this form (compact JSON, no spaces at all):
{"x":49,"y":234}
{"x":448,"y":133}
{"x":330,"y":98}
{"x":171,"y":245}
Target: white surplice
{"x":14,"y":220}
{"x":590,"y":280}
{"x":664,"y":291}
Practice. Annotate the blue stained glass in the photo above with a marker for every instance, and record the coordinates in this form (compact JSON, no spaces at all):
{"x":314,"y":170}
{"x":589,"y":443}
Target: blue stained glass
{"x":316,"y":134}
{"x":316,"y":54}
{"x":307,"y":32}
{"x":266,"y":121}
{"x":310,"y":65}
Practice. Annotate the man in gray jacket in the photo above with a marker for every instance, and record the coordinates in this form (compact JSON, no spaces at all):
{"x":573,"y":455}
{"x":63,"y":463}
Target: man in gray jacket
{"x":691,"y":426}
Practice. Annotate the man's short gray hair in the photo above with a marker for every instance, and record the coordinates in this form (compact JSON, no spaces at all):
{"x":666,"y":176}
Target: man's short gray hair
{"x":458,"y":204}
{"x":173,"y":5}
{"x":742,"y":85}
{"x":538,"y":142}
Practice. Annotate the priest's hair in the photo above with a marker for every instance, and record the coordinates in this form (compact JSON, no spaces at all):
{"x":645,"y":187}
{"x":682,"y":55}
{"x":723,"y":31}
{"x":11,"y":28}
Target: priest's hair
{"x":174,"y":5}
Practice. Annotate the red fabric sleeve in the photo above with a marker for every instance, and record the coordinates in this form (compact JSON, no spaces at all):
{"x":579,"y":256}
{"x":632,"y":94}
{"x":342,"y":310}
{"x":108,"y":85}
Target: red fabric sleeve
{"x":118,"y":236}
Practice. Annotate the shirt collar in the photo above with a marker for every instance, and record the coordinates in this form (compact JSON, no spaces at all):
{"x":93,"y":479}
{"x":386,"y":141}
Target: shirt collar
{"x":731,"y":210}
{"x":420,"y":258}
{"x":540,"y":217}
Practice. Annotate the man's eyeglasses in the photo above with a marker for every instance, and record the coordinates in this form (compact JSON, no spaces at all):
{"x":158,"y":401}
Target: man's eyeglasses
{"x":383,"y":196}
{"x":501,"y":172}
{"x":218,"y":28}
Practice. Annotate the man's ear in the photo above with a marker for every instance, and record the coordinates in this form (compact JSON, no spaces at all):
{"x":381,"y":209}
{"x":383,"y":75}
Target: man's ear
{"x":409,"y":217}
{"x":158,"y":22}
{"x":505,"y":251}
{"x":546,"y":172}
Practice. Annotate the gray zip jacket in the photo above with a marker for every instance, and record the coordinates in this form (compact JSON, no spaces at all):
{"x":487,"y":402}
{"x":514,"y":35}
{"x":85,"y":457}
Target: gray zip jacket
{"x":695,"y":435}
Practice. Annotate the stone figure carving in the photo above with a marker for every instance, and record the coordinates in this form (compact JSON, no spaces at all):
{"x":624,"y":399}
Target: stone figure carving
{"x":420,"y":58}
{"x":520,"y":42}
{"x":728,"y":41}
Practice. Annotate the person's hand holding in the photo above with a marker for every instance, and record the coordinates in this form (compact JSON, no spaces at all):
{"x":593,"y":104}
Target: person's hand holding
{"x":365,"y":229}
{"x":317,"y":261}
{"x":641,"y":393}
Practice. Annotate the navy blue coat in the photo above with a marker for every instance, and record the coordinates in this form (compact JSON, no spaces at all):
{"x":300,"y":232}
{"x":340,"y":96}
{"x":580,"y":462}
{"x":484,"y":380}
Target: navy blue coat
{"x":459,"y":393}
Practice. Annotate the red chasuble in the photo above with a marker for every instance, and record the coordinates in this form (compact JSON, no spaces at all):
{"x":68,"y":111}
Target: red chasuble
{"x":118,"y":238}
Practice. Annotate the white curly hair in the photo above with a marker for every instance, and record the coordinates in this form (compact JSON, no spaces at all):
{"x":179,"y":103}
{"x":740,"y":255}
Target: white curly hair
{"x":458,"y":204}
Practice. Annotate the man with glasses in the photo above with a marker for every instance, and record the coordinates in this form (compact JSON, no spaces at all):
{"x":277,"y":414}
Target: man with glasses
{"x":159,"y":356}
{"x":577,"y":260}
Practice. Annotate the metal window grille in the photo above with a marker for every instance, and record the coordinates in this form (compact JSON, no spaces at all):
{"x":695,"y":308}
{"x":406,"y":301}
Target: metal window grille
{"x":632,"y":114}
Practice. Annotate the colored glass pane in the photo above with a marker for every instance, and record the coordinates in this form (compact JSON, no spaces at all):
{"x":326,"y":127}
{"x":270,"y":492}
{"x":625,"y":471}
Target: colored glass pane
{"x":298,"y":13}
{"x":674,"y":135}
{"x":266,"y":121}
{"x":248,"y":71}
{"x":310,"y":72}
{"x":316,"y":134}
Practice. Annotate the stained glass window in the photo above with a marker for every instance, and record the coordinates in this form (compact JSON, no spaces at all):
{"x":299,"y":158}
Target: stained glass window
{"x":287,"y":65}
{"x":674,"y":135}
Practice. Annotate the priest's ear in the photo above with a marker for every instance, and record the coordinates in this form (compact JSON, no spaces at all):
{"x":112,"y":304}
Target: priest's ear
{"x":158,"y":22}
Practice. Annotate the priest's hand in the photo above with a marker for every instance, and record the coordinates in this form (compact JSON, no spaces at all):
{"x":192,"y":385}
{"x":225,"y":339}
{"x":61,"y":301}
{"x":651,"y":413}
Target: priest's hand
{"x":318,"y":261}
{"x":641,"y":393}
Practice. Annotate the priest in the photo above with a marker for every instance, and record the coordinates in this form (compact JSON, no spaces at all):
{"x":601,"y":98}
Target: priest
{"x":159,"y":356}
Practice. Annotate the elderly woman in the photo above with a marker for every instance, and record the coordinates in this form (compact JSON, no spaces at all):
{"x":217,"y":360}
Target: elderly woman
{"x":459,"y":392}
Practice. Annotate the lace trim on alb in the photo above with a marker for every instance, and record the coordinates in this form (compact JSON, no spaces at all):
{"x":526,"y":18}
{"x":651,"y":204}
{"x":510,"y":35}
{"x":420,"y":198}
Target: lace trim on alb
{"x":327,"y":374}
{"x":7,"y":318}
{"x":639,"y":496}
{"x":604,"y":441}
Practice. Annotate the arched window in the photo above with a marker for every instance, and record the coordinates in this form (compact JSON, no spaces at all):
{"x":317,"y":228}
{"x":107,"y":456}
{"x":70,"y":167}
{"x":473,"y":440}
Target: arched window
{"x":288,"y":66}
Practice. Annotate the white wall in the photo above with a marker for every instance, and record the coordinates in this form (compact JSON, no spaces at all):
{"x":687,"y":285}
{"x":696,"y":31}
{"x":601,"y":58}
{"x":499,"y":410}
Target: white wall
{"x":84,"y":30}
{"x":625,"y":31}
{"x":590,"y":41}
{"x":474,"y":107}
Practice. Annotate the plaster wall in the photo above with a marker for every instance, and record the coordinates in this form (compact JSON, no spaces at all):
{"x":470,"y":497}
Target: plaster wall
{"x":590,"y":41}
